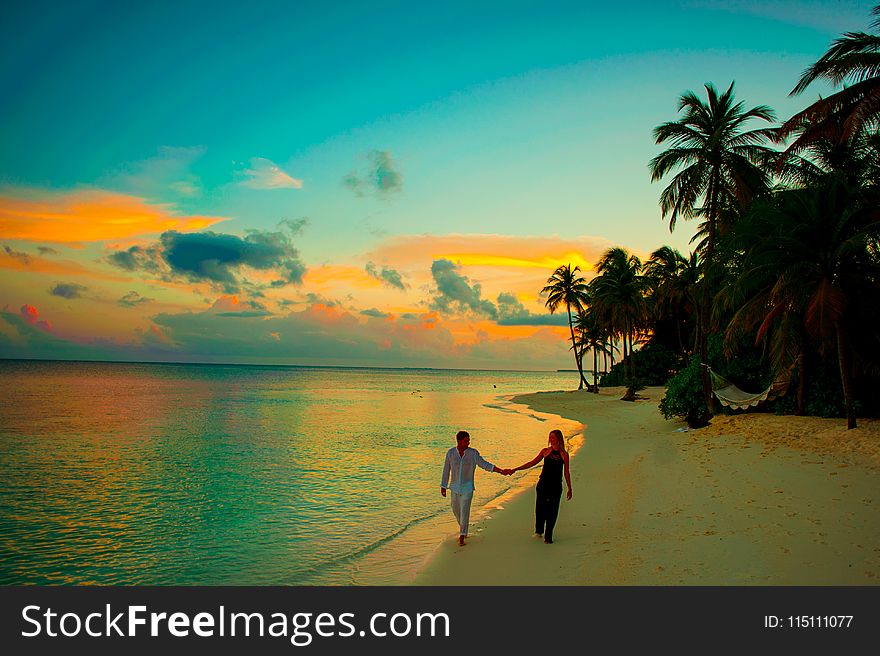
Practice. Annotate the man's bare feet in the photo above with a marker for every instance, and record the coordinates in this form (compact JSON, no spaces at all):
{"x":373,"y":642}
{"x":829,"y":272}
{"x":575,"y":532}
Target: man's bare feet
{"x":461,"y":540}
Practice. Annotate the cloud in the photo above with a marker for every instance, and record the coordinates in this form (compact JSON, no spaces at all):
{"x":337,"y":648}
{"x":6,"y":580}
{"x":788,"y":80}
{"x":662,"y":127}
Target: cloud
{"x":218,"y":258}
{"x":454,"y":291}
{"x":133,"y":299}
{"x":246,"y":314}
{"x":156,"y":337}
{"x":318,"y":299}
{"x":215,"y":257}
{"x":380,"y":177}
{"x":318,"y":333}
{"x":511,"y":312}
{"x":315,"y":333}
{"x":373,"y":312}
{"x":294,"y":226}
{"x":32,"y":317}
{"x":63,"y":268}
{"x":543,"y":254}
{"x":167,"y":173}
{"x":145,"y":258}
{"x":45,"y":250}
{"x":230,"y":306}
{"x":387,"y":276}
{"x":68,"y":290}
{"x":502,"y":263}
{"x":22,"y":257}
{"x":321,"y":334}
{"x":29,"y":337}
{"x":87,"y":216}
{"x":266,"y":174}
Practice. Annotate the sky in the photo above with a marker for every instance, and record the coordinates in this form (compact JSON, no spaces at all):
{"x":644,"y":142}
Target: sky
{"x":349,"y":183}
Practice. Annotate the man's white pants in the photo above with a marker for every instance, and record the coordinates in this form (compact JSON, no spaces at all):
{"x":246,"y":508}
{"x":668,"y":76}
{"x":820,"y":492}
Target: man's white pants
{"x":461,"y":508}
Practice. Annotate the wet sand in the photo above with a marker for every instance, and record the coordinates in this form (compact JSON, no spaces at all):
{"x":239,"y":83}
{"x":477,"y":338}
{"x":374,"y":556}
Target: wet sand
{"x":753,"y":499}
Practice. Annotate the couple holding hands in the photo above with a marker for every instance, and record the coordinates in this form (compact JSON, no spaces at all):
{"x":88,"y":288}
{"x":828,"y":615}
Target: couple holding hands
{"x":458,"y":478}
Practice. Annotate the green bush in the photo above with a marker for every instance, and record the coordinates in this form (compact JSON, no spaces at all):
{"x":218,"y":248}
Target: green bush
{"x":823,"y":396}
{"x":684,"y":395}
{"x":655,"y":363}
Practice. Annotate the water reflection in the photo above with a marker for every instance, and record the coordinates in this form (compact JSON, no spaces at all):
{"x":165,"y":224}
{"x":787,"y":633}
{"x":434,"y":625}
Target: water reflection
{"x":174,"y":474}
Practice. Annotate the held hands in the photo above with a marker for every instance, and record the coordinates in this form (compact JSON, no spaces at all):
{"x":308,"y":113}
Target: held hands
{"x":507,"y":472}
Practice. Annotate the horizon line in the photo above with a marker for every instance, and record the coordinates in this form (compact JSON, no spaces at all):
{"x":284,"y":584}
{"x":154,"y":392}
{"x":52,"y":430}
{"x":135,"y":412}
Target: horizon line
{"x":258,"y":364}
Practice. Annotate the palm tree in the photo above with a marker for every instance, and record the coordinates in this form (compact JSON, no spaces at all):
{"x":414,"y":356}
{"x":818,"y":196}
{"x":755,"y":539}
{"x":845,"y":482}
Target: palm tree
{"x":853,"y":58}
{"x":591,"y":337}
{"x":566,"y":287}
{"x":813,"y":155}
{"x":618,"y":299}
{"x":722,"y":167}
{"x":673,"y":280}
{"x":807,"y":270}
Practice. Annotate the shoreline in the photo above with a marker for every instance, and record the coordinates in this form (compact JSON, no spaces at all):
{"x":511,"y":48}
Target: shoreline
{"x":415,"y":547}
{"x":655,"y":504}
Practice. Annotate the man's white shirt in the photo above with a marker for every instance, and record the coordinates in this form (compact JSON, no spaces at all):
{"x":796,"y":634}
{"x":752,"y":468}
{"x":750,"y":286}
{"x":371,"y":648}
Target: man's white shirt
{"x":460,"y":469}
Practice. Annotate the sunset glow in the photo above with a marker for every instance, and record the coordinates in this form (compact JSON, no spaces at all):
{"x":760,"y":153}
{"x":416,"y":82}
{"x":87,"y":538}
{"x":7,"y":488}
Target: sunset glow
{"x":399,"y":200}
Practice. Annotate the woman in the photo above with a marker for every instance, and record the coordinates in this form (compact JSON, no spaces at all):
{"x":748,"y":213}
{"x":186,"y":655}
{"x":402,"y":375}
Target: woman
{"x":549,"y":488}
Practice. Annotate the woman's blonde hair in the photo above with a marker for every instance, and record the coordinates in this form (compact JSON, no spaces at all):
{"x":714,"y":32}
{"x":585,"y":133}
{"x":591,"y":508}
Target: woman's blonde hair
{"x":558,"y":434}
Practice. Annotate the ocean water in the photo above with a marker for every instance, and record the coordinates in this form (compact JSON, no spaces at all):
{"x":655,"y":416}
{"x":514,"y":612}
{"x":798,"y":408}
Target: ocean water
{"x":172,"y":474}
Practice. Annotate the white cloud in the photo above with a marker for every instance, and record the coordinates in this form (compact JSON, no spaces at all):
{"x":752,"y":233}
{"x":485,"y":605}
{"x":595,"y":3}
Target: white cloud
{"x":266,"y":174}
{"x":169,"y":172}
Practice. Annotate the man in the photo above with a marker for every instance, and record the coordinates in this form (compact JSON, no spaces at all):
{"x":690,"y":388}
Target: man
{"x":461,"y":462}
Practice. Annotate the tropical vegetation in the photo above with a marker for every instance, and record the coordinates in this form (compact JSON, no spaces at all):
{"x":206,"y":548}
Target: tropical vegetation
{"x":784,"y":279}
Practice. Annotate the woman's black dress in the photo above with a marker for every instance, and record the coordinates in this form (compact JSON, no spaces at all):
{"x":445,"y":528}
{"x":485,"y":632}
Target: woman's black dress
{"x":549,"y":492}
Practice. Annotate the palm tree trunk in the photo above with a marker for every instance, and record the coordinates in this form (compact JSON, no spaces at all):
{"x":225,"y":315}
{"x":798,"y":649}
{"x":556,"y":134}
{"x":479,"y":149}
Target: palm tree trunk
{"x":845,"y":376}
{"x":574,"y":348}
{"x":632,"y":357}
{"x":802,"y":383}
{"x":580,"y":357}
{"x":595,"y":372}
{"x":630,"y":394}
{"x":704,"y":310}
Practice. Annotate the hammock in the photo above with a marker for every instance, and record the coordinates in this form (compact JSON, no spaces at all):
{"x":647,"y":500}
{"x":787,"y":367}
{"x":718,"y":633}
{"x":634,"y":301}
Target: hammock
{"x":733,"y":397}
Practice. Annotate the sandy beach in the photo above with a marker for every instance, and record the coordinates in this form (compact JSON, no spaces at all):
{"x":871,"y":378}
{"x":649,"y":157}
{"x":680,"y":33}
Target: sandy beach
{"x":753,"y":499}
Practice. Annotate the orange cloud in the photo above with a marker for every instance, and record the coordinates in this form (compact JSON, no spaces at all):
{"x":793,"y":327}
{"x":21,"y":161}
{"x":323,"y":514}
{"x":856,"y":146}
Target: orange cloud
{"x":329,"y":275}
{"x":30,"y":314}
{"x":328,"y":315}
{"x":226,"y":304}
{"x":158,"y":334}
{"x":493,"y":331}
{"x":500,"y":263}
{"x":503,"y":251}
{"x":37,"y":264}
{"x":89,"y":215}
